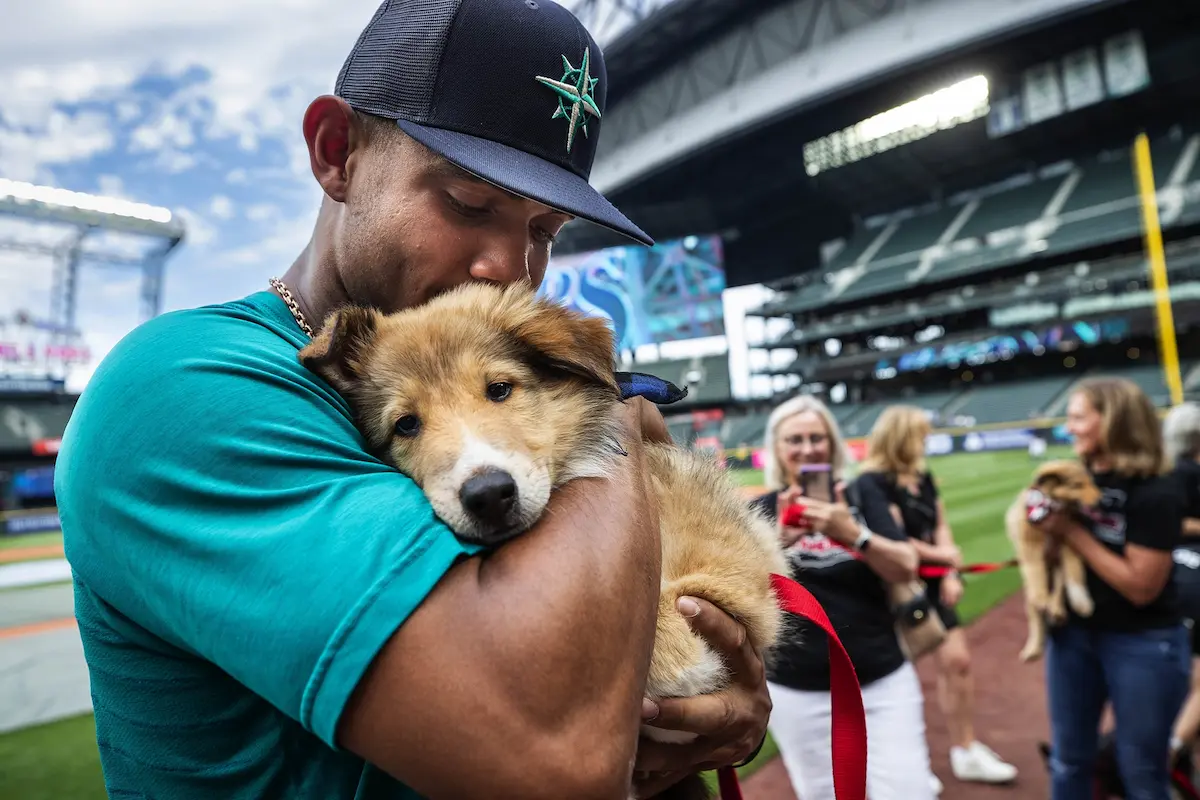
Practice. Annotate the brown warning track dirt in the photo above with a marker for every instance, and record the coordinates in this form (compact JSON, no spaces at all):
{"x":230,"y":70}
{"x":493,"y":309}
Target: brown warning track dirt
{"x":1010,"y":700}
{"x":30,"y":553}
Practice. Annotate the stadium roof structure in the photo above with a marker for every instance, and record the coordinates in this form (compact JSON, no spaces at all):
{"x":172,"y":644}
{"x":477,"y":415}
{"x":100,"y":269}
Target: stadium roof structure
{"x":104,"y":231}
{"x":640,"y":37}
{"x":754,"y":187}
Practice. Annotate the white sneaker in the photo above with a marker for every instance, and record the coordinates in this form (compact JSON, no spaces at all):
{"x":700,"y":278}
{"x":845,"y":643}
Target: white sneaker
{"x":936,"y":785}
{"x":980,"y":763}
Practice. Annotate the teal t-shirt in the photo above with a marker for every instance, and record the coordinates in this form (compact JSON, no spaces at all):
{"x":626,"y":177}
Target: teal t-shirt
{"x":239,"y":560}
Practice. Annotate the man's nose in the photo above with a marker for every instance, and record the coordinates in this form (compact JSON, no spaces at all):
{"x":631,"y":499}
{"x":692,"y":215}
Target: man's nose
{"x":502,"y":262}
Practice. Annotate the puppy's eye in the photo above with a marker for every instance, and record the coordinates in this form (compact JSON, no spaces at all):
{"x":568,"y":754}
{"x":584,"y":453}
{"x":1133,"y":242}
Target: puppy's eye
{"x":499,"y":392}
{"x":408,"y":425}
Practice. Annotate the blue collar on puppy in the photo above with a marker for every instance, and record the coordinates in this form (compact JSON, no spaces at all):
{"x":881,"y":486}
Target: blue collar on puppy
{"x":656,"y":390}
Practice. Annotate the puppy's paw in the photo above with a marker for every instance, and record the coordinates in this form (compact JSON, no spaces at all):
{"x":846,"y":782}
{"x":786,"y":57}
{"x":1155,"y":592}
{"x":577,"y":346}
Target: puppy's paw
{"x":1032,"y":651}
{"x":1080,"y":600}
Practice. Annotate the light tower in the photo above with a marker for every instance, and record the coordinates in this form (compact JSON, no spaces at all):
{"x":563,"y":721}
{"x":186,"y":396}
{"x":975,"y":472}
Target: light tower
{"x":84,"y":216}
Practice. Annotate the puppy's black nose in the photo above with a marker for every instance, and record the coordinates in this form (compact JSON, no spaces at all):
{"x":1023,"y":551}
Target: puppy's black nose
{"x":489,"y":496}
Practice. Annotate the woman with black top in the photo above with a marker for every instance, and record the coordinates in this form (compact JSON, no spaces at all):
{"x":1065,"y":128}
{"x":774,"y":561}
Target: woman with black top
{"x":1181,"y":439}
{"x":1133,"y":650}
{"x":844,"y":561}
{"x":899,"y":484}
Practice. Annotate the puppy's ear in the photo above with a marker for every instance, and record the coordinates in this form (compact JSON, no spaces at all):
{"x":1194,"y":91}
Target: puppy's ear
{"x":338,"y":352}
{"x":559,"y":340}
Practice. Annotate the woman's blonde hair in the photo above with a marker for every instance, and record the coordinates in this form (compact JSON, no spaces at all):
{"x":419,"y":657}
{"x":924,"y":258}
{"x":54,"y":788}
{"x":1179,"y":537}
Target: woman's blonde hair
{"x":1181,"y":432}
{"x":1130,"y":434}
{"x":897,"y":441}
{"x":775,"y":474}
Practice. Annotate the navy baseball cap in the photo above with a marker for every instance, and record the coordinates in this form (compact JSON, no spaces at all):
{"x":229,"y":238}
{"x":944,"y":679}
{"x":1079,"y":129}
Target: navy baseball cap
{"x":511,"y":91}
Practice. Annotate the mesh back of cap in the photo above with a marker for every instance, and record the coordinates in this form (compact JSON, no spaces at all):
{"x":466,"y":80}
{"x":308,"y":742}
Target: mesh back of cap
{"x":393,"y":67}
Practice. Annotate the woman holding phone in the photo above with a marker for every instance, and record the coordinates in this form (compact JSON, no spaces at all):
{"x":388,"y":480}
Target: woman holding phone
{"x":895,"y":483}
{"x":845,"y":562}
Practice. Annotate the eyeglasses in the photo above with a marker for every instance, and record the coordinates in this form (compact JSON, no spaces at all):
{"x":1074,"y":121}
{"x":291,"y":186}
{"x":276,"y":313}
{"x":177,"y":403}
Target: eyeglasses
{"x":798,"y":439}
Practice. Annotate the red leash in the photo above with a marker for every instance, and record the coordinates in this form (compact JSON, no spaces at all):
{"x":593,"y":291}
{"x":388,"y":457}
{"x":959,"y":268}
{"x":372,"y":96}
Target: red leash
{"x":849,"y":721}
{"x":940,"y":571}
{"x":793,"y":516}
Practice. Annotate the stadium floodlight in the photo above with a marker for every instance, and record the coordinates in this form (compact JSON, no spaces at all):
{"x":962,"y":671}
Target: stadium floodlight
{"x":83,"y":214}
{"x":63,"y":205}
{"x":946,"y":108}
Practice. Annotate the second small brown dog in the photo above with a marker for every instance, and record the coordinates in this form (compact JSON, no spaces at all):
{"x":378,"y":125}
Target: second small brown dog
{"x":1054,"y":575}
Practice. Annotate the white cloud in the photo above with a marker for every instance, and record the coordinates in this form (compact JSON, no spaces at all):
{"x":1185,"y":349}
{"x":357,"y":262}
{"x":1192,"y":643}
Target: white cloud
{"x":221,"y":207}
{"x":200,"y":231}
{"x":112,"y":186}
{"x":168,"y":130}
{"x":26,"y":153}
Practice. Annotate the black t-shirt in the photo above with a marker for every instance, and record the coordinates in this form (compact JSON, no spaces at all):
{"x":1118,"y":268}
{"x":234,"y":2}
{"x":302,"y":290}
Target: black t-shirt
{"x":853,"y":597}
{"x":919,"y":511}
{"x":1187,"y":475}
{"x":1144,"y":511}
{"x":1187,"y":552}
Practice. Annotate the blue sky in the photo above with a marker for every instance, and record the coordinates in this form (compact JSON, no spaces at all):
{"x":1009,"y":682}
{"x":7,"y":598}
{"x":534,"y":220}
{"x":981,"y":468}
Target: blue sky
{"x":196,"y":107}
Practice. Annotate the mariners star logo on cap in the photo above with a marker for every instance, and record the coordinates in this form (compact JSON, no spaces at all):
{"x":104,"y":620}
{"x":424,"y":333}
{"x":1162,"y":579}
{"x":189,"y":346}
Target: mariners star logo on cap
{"x":575,"y":100}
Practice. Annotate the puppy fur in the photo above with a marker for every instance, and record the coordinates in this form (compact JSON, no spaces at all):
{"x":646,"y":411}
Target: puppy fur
{"x":485,"y":380}
{"x":1054,"y":575}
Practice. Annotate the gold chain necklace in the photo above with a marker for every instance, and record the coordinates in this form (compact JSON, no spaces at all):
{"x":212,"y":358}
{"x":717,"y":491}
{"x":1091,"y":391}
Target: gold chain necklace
{"x":297,"y":314}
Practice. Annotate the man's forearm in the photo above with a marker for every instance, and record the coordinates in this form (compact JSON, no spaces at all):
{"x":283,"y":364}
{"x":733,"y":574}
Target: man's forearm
{"x":580,"y":591}
{"x":521,"y":674}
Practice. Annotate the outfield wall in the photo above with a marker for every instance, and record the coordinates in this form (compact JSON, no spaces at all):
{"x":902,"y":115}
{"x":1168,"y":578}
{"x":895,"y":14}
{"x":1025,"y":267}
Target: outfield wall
{"x":941,"y":442}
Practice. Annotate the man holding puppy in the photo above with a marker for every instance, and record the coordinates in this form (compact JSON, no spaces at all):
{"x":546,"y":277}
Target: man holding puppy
{"x":266,"y":609}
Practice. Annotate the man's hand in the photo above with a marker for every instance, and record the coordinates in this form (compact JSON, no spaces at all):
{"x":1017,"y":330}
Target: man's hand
{"x":729,"y":724}
{"x":644,"y":417}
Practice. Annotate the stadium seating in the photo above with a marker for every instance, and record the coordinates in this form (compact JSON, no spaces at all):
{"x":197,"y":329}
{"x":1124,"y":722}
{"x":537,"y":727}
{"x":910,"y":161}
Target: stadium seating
{"x":1011,"y":402}
{"x":22,"y":422}
{"x":705,"y":377}
{"x":744,"y":431}
{"x":1099,"y":204}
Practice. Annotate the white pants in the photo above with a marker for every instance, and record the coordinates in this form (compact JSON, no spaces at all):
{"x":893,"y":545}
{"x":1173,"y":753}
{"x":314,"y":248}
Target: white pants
{"x":897,"y":755}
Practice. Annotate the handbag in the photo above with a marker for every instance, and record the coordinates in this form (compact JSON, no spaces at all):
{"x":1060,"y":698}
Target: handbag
{"x":918,"y":626}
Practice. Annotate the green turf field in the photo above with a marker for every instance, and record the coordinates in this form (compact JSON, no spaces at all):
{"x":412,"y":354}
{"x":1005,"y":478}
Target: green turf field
{"x":29,"y":540}
{"x":59,"y":760}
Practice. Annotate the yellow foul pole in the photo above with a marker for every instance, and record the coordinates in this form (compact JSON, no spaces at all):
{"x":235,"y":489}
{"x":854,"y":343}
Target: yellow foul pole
{"x":1158,"y":267}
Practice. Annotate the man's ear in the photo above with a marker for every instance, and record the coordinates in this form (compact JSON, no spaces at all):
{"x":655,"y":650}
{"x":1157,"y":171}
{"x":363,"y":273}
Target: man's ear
{"x":331,"y":131}
{"x":338,"y":352}
{"x":560,"y":340}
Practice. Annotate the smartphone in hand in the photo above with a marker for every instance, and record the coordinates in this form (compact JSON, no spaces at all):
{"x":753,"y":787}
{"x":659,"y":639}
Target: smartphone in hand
{"x":816,"y":481}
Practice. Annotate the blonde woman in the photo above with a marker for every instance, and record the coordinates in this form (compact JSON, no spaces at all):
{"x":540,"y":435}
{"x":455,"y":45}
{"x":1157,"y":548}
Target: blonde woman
{"x":895,"y":475}
{"x":844,"y":560}
{"x":1133,"y":650}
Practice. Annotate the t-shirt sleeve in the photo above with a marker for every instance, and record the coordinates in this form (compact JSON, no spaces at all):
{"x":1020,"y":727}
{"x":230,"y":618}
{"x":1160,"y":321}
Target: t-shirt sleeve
{"x":220,"y":497}
{"x":874,"y":507}
{"x":1154,"y":515}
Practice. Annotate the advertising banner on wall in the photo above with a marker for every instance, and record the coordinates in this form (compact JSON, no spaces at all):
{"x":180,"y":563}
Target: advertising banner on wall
{"x":14,"y":524}
{"x":936,"y":444}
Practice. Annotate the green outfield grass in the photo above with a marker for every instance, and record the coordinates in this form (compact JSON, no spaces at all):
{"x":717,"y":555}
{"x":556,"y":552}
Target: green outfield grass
{"x":30,"y":540}
{"x":59,"y":760}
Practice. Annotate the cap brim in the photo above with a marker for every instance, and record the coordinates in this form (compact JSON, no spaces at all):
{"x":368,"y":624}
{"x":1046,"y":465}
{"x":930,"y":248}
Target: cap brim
{"x":526,"y":175}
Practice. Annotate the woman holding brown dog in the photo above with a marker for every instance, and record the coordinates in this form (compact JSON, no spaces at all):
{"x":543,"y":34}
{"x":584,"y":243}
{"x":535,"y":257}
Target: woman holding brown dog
{"x":894,"y":473}
{"x":1133,"y":650}
{"x":844,"y":560}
